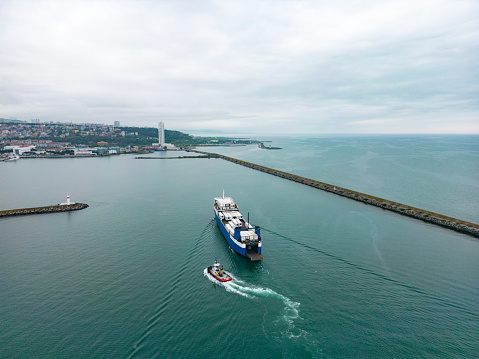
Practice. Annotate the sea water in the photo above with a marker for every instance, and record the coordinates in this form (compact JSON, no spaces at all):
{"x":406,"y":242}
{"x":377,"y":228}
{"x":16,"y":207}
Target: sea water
{"x":125,"y":277}
{"x":436,"y":173}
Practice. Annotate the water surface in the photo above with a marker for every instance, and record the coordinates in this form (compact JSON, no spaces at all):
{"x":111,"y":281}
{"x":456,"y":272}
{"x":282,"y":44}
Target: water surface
{"x":124,"y":278}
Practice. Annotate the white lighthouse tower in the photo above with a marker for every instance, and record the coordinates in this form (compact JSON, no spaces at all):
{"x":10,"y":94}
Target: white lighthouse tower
{"x":68,"y":201}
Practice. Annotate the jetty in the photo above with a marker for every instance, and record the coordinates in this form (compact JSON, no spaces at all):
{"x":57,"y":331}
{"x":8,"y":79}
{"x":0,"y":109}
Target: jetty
{"x":41,"y":210}
{"x":454,"y":224}
{"x":175,"y":157}
{"x":261,"y":145}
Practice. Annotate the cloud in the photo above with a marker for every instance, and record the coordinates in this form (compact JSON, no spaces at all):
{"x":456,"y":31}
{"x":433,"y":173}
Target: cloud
{"x":243,"y":65}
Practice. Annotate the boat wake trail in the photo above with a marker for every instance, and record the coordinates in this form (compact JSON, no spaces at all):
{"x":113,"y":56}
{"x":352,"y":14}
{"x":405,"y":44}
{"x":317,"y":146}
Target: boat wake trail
{"x":280,"y":327}
{"x":374,"y":236}
{"x":244,"y":289}
{"x":384,"y":277}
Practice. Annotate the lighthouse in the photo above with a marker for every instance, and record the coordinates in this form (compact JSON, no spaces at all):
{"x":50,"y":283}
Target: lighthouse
{"x":68,"y":201}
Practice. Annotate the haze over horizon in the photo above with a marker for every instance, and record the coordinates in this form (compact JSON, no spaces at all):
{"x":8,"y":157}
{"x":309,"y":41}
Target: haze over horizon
{"x":269,"y":67}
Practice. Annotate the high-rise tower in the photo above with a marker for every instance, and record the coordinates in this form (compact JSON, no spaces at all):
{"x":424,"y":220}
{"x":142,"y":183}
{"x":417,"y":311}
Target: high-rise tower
{"x":161,"y":133}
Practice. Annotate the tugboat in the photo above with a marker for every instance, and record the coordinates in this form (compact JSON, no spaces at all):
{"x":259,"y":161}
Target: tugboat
{"x":217,"y":272}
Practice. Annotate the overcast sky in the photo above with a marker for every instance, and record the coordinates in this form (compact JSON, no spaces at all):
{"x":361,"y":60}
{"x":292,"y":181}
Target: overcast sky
{"x":244,"y":66}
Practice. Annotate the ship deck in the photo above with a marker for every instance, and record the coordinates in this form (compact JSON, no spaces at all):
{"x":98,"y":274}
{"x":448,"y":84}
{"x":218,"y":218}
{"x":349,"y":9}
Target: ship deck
{"x":243,"y":228}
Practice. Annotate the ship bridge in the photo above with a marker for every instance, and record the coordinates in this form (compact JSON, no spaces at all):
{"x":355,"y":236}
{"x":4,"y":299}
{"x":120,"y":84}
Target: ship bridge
{"x":225,"y":204}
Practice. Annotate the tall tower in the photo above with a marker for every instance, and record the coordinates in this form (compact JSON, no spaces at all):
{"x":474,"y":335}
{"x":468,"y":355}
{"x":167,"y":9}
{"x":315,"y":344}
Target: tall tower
{"x":161,"y":133}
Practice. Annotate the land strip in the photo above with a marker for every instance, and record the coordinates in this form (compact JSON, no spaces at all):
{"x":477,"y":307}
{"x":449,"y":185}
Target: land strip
{"x":42,"y":210}
{"x":454,"y":224}
{"x":175,"y":157}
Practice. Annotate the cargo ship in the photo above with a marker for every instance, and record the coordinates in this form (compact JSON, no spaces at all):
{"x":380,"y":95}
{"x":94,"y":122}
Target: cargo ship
{"x":240,"y":235}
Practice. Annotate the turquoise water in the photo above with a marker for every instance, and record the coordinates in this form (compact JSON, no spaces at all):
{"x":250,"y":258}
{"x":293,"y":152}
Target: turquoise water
{"x":436,"y":173}
{"x":124,"y":278}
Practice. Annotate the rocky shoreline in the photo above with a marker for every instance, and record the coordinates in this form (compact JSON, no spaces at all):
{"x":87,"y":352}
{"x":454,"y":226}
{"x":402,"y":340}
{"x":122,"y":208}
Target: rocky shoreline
{"x":42,"y":210}
{"x":454,"y":224}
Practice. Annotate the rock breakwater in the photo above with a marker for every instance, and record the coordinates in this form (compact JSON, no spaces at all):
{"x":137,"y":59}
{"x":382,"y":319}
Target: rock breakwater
{"x":42,"y":210}
{"x":454,"y":224}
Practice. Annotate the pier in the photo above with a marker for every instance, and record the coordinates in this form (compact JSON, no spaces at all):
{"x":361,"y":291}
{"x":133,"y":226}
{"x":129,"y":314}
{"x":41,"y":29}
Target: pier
{"x":42,"y":210}
{"x":454,"y":224}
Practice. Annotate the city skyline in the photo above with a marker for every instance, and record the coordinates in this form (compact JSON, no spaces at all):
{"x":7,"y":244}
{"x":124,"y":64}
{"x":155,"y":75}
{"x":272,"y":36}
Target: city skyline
{"x":244,"y":67}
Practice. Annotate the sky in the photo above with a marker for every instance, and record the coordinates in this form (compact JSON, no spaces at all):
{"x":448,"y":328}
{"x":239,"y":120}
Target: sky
{"x":266,"y":67}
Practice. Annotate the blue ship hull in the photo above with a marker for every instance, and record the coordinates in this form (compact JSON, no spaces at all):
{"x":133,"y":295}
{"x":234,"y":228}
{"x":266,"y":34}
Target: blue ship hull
{"x":243,"y":238}
{"x":231,"y":243}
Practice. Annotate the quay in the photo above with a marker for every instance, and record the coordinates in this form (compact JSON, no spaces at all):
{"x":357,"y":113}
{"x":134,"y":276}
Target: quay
{"x":42,"y":210}
{"x":454,"y":224}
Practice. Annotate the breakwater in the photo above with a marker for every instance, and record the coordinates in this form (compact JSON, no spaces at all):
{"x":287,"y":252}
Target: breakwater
{"x":261,"y":145}
{"x":42,"y":210}
{"x":454,"y":224}
{"x":176,"y":157}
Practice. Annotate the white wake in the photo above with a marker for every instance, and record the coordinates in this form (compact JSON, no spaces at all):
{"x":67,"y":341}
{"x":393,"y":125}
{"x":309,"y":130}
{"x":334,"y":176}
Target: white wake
{"x":247,"y":290}
{"x":283,"y":325}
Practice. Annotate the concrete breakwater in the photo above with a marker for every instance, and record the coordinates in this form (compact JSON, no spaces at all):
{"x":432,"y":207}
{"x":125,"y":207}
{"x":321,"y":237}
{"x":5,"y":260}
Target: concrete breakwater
{"x":41,"y":210}
{"x":454,"y":224}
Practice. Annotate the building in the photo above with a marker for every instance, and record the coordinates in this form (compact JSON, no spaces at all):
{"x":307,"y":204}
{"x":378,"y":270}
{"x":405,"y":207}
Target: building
{"x":117,"y":123}
{"x":161,"y":138}
{"x":83,"y":152}
{"x":161,"y":134}
{"x":102,"y":151}
{"x":19,"y":150}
